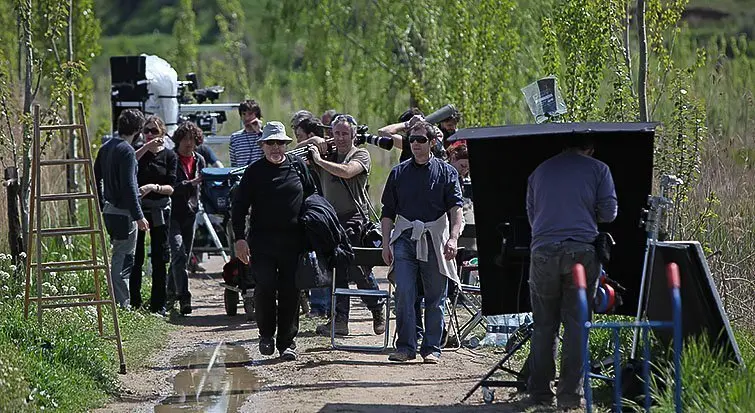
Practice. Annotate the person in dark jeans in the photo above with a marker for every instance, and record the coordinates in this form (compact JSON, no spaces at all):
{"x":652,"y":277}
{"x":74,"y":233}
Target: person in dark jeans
{"x":275,"y":188}
{"x":567,"y":196}
{"x":421,"y":223}
{"x":344,"y":184}
{"x":156,"y":177}
{"x":185,"y":201}
{"x":115,"y":176}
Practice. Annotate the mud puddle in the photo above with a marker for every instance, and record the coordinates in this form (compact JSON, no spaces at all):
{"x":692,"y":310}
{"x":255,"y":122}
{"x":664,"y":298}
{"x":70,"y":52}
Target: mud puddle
{"x":214,"y":379}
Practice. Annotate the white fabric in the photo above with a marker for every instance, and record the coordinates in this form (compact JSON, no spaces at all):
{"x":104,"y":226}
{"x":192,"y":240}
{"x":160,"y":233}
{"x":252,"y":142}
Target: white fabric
{"x":439,"y":233}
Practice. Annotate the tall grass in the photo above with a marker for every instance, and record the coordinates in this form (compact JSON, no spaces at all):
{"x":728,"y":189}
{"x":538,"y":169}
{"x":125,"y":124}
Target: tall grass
{"x":711,"y":381}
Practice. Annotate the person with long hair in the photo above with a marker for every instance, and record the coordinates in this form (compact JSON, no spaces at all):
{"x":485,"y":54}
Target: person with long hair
{"x":156,"y":176}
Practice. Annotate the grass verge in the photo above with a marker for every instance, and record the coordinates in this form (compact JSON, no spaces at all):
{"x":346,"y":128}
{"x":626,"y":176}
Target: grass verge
{"x":63,"y":364}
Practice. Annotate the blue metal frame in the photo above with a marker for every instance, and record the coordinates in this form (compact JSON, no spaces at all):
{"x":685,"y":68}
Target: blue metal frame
{"x":672,"y":272}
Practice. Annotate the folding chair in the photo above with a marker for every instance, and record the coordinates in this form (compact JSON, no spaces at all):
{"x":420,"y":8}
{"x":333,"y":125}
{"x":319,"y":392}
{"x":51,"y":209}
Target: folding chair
{"x":368,"y":257}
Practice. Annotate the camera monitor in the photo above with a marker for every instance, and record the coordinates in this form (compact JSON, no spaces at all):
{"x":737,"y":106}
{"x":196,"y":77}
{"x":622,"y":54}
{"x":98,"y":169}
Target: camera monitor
{"x":502,"y":158}
{"x":702,"y":312}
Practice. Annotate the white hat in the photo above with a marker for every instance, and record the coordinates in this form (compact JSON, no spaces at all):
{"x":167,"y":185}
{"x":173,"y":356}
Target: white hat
{"x":274,"y":131}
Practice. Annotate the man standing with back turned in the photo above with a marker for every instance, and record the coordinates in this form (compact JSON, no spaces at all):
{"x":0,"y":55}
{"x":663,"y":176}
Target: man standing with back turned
{"x":567,"y":196}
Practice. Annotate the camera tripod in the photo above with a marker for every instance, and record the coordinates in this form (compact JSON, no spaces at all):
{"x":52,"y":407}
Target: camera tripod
{"x":652,"y":222}
{"x":518,"y":338}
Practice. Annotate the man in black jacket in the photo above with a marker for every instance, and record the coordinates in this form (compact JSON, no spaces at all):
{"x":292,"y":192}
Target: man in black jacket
{"x":275,"y":188}
{"x":115,"y":175}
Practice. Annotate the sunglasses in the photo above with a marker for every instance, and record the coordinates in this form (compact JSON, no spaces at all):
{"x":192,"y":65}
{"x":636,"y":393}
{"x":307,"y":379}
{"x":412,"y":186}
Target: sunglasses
{"x":153,"y":131}
{"x":273,"y":142}
{"x":418,"y":139}
{"x":340,"y":118}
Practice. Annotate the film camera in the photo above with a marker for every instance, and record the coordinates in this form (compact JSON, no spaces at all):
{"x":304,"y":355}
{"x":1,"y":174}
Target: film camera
{"x":149,"y":83}
{"x":207,"y":120}
{"x":364,"y":136}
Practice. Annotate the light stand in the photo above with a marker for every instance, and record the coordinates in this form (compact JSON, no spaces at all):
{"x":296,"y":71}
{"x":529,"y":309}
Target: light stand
{"x":652,"y":223}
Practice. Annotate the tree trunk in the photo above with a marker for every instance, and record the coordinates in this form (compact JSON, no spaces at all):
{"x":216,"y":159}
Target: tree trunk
{"x":27,"y":127}
{"x":71,"y":182}
{"x":643,"y":71}
{"x":15,"y":238}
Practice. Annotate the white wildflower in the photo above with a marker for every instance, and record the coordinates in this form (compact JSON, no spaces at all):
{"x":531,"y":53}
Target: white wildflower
{"x":4,"y":257}
{"x":54,"y":290}
{"x":64,"y":289}
{"x":72,"y":290}
{"x":5,"y":288}
{"x":22,"y":255}
{"x":4,"y":276}
{"x":13,"y":267}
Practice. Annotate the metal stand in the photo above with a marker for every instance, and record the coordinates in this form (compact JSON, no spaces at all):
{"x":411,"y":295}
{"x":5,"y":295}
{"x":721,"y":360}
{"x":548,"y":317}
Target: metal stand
{"x":516,"y":341}
{"x":202,"y":219}
{"x":657,"y":205}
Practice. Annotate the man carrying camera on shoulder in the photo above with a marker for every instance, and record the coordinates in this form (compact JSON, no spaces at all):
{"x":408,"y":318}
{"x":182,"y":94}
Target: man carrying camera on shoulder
{"x":344,"y":184}
{"x":419,"y":197}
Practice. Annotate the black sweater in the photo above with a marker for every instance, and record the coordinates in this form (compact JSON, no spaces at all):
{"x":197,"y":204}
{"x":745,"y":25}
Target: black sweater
{"x":115,"y":176}
{"x":157,"y":168}
{"x":275,"y":193}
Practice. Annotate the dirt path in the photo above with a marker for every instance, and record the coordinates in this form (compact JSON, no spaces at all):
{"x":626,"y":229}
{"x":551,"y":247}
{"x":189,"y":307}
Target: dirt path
{"x":212,"y":363}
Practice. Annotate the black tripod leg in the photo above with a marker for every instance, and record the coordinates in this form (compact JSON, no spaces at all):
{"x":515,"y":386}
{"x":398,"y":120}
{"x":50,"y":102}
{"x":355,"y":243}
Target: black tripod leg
{"x":525,"y":337}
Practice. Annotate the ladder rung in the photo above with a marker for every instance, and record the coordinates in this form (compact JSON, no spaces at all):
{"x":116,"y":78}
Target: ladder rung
{"x":63,"y":297}
{"x":51,"y":264}
{"x":76,"y":304}
{"x":48,"y":162}
{"x":65,"y":197}
{"x":61,"y":127}
{"x":73,"y":268}
{"x":52,"y":232}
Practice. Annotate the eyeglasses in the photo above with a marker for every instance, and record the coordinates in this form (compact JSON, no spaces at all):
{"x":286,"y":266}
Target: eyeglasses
{"x":340,"y":118}
{"x":153,"y":131}
{"x":418,"y":139}
{"x":273,"y":142}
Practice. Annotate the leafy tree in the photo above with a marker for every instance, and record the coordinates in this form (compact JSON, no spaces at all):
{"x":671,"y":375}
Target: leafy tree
{"x":187,"y":39}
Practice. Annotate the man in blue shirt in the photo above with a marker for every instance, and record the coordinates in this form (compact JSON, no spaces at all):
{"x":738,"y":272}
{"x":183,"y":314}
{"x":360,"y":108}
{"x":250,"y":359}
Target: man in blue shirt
{"x":420,"y":195}
{"x":115,"y":176}
{"x":244,"y":147}
{"x":567,"y":196}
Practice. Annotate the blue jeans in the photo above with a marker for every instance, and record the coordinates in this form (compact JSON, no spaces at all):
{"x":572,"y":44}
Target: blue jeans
{"x":407,"y":269}
{"x":319,"y":300}
{"x":122,"y":231}
{"x":554,"y":302}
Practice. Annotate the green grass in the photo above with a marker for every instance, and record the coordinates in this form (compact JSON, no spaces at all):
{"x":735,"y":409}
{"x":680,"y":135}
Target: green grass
{"x":63,"y":364}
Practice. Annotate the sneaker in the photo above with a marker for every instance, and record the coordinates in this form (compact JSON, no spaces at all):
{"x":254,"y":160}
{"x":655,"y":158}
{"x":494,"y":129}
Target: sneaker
{"x":342,"y":329}
{"x":378,"y":322}
{"x":267,"y":346}
{"x":400,"y":356}
{"x":159,"y":313}
{"x":431,"y":359}
{"x":289,"y":354}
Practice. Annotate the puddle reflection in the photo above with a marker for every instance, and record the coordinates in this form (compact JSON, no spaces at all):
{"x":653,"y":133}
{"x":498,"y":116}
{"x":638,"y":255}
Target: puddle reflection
{"x":213,"y":379}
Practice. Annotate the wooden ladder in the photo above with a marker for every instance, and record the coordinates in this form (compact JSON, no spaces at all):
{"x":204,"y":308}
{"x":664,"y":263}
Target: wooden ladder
{"x":95,"y":230}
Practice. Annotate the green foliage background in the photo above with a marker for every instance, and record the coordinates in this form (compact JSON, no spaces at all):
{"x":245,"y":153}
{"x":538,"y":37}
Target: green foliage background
{"x":376,"y":58}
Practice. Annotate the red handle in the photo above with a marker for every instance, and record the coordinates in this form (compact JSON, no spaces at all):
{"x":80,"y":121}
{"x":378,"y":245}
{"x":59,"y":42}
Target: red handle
{"x":672,"y":275}
{"x":578,"y":273}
